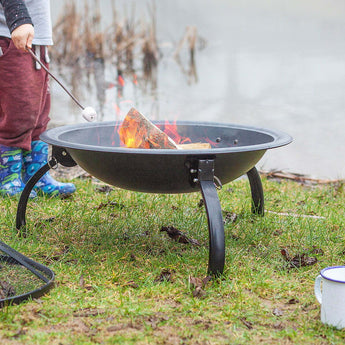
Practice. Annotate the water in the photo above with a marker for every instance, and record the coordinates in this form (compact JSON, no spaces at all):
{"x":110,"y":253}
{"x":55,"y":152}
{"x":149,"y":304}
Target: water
{"x":275,"y":64}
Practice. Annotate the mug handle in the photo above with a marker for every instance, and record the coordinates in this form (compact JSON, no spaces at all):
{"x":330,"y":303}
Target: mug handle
{"x":317,"y":289}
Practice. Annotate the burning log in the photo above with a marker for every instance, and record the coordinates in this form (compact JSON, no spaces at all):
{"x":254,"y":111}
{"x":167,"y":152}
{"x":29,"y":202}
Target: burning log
{"x":137,"y":131}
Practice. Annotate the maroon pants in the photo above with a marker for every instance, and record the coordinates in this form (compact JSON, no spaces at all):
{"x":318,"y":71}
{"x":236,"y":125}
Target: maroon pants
{"x":24,"y":97}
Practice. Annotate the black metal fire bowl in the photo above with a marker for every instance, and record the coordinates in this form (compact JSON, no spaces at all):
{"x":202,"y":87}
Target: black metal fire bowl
{"x":96,"y":148}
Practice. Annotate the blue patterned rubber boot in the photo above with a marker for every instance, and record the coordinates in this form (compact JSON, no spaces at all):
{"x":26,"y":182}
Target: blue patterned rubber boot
{"x":11,"y":183}
{"x":34,"y":160}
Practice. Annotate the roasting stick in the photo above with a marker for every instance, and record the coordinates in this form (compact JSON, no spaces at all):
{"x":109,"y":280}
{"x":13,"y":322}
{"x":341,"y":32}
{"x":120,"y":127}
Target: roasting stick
{"x":88,"y":113}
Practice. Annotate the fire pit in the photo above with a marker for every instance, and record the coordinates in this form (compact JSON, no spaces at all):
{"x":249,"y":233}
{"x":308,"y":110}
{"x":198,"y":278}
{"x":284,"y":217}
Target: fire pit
{"x":234,"y":151}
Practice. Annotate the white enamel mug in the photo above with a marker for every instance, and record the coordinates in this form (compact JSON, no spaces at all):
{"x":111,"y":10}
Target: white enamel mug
{"x":331,"y":295}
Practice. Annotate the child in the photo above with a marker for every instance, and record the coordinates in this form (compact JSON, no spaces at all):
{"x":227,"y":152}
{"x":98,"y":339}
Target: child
{"x":25,"y":97}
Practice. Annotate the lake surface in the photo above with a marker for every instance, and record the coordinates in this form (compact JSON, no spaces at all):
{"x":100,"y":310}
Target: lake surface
{"x":274,"y":64}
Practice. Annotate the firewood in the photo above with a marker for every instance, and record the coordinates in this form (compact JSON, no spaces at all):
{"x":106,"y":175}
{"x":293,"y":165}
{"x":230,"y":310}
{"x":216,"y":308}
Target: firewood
{"x":137,"y":131}
{"x":194,"y":146}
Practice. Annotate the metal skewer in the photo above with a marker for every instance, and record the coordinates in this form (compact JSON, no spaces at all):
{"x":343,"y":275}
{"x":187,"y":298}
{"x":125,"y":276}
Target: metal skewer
{"x":88,"y":113}
{"x":53,"y":76}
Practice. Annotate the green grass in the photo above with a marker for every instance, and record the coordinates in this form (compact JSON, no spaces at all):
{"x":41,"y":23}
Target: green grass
{"x":107,"y":252}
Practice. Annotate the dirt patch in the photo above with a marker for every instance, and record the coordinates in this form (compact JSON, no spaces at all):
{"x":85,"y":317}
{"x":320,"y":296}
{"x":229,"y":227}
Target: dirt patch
{"x":6,"y":289}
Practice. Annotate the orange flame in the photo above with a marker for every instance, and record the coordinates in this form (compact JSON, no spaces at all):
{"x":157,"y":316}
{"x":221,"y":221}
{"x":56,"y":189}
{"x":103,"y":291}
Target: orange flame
{"x":136,"y":131}
{"x":132,"y":135}
{"x":117,"y":110}
{"x":171,"y":130}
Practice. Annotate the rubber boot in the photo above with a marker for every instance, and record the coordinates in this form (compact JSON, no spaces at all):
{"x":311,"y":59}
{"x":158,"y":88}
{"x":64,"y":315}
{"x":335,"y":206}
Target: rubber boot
{"x":11,"y":183}
{"x":34,"y":160}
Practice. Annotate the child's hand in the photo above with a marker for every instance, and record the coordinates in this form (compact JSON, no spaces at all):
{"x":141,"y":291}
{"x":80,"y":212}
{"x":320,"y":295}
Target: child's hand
{"x":22,"y":36}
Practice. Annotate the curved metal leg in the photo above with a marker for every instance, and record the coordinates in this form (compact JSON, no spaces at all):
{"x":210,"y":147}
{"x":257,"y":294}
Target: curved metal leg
{"x":258,"y":206}
{"x":214,"y":216}
{"x":215,"y":227}
{"x":23,"y":201}
{"x":59,"y":155}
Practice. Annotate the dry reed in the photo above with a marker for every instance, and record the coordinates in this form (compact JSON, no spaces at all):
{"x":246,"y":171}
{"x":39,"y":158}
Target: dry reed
{"x":128,"y":45}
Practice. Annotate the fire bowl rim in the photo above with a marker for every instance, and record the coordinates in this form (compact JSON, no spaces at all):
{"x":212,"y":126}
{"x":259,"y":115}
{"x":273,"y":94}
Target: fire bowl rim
{"x":51,"y":136}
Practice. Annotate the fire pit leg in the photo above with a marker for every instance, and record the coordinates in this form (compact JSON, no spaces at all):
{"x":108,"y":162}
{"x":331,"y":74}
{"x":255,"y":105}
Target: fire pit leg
{"x":257,"y":192}
{"x":59,"y":155}
{"x":214,"y":216}
{"x":24,"y":197}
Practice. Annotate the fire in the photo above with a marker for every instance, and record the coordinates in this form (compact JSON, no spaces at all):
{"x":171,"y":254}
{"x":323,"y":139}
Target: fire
{"x":136,"y":131}
{"x":171,"y":130}
{"x":117,"y":110}
{"x":133,"y":135}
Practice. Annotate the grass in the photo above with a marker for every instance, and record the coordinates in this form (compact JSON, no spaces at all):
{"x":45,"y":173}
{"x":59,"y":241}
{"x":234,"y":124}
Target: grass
{"x":108,"y":254}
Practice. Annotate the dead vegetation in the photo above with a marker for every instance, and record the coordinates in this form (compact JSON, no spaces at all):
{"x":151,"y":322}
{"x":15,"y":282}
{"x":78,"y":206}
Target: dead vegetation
{"x":300,"y":178}
{"x":6,"y":289}
{"x":85,"y":44}
{"x":188,"y":43}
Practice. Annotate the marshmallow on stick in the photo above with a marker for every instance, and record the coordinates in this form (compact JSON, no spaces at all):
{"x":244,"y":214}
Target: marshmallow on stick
{"x":89,"y":114}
